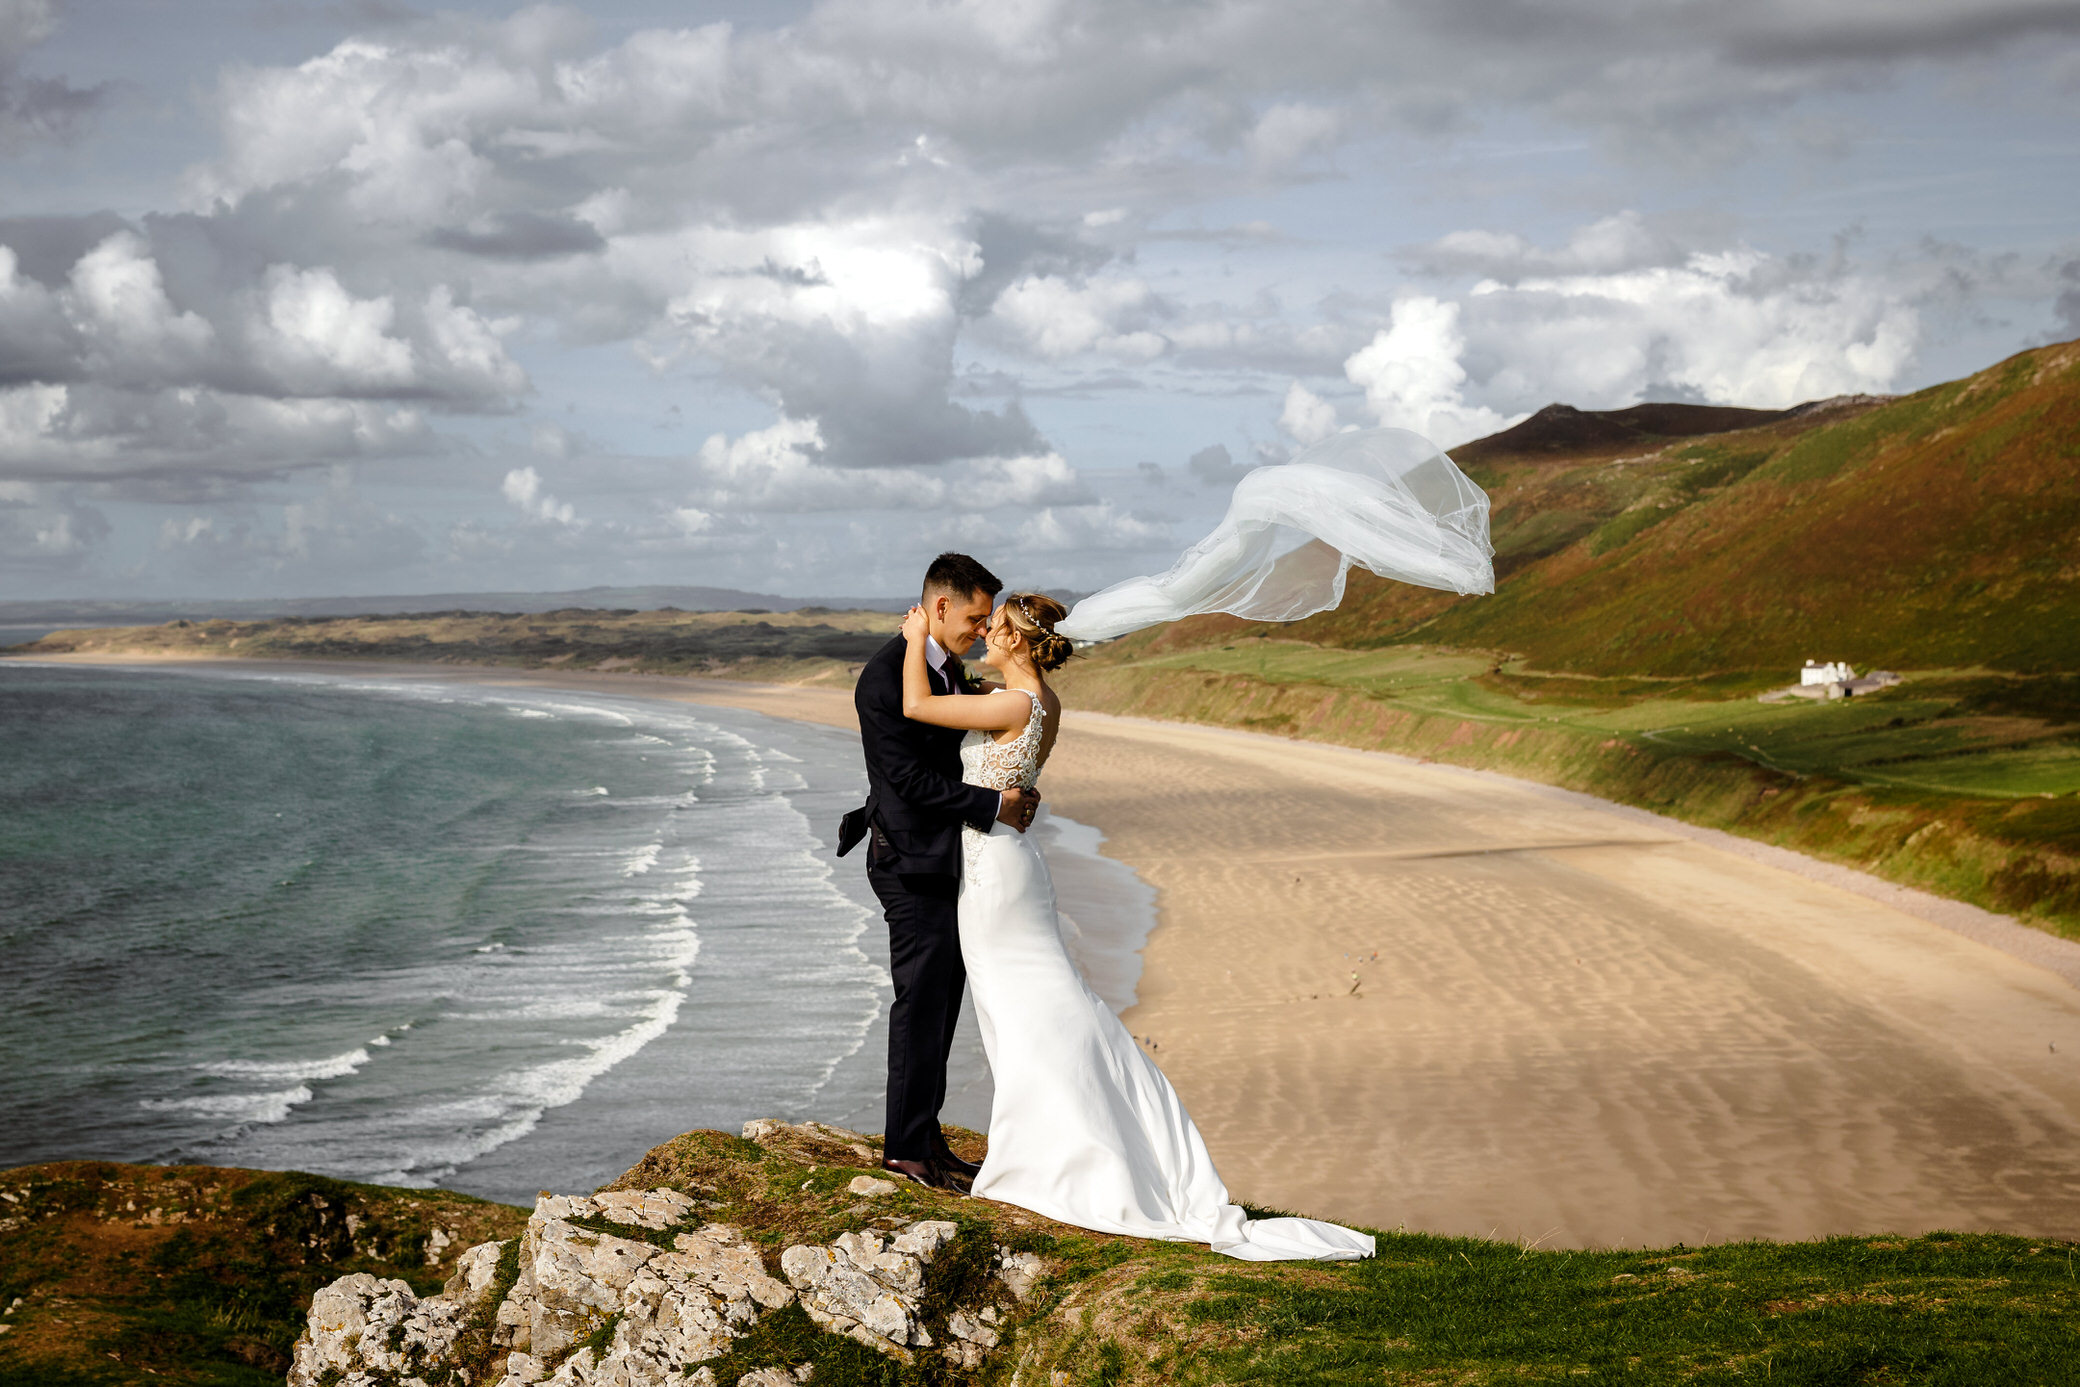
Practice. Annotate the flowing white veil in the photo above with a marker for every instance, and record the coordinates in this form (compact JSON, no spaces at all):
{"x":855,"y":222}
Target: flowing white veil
{"x":1385,"y":498}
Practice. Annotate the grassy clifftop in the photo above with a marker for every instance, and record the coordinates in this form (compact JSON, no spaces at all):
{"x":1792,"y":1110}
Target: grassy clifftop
{"x":207,"y":1278}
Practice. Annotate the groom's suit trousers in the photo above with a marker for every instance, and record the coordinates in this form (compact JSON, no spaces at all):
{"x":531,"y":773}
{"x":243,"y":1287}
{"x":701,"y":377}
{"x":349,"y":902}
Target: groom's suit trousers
{"x":924,"y":960}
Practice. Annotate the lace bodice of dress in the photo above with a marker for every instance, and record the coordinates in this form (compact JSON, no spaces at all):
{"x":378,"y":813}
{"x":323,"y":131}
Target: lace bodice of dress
{"x":1002,"y":765}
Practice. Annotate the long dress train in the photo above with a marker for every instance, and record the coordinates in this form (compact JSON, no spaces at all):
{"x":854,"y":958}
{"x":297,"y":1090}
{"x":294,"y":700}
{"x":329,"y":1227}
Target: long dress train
{"x":1085,"y":1128}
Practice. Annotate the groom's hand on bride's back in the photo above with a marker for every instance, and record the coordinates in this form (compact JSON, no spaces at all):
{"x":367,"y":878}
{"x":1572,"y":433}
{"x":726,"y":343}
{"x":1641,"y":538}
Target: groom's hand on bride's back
{"x":1016,"y":808}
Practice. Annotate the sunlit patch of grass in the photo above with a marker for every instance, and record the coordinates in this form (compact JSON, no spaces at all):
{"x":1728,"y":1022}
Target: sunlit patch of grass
{"x":1953,"y":742}
{"x":1954,"y":782}
{"x":1943,"y":1309}
{"x":2042,"y":771}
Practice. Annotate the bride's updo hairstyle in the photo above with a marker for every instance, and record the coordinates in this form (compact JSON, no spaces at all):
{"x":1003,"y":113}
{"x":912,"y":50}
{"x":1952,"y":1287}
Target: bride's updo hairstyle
{"x":1033,"y":615}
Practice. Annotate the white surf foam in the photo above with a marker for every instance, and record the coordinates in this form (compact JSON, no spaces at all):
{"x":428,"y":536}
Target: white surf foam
{"x":528,"y":1020}
{"x":330,"y":1067}
{"x":263,"y":1108}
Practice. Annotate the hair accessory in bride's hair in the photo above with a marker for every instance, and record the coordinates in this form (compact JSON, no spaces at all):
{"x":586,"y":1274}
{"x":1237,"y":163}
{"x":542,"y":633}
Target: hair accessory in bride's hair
{"x":1050,"y":649}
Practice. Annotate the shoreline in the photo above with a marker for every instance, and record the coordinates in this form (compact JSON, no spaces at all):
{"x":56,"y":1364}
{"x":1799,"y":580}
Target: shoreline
{"x":831,"y":707}
{"x":1587,"y":1024}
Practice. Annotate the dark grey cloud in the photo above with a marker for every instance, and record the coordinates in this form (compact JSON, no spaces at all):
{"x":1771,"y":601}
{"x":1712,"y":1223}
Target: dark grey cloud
{"x":1012,"y":248}
{"x":2066,"y":308}
{"x":32,"y":107}
{"x":1216,"y":466}
{"x":45,"y":108}
{"x":1837,"y":33}
{"x":46,"y":248}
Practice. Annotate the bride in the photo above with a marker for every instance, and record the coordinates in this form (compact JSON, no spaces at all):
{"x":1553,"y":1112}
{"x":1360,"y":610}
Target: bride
{"x":1084,"y":1129}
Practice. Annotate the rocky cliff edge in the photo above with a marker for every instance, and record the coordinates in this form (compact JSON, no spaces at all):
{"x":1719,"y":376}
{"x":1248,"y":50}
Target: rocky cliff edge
{"x":773,"y":1258}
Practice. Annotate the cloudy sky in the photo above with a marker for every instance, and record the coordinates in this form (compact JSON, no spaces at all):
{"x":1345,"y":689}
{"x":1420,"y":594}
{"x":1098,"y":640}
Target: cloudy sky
{"x":304,"y":298}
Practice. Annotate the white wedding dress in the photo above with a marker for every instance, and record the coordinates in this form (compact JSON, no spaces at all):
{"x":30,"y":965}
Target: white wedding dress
{"x":1085,"y":1129}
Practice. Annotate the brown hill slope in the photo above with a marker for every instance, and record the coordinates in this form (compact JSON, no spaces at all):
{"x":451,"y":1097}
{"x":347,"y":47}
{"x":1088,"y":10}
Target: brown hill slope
{"x":1563,"y":429}
{"x":1933,"y":531}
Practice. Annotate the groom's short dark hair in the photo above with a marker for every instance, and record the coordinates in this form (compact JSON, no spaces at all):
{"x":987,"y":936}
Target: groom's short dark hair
{"x":960,"y":576}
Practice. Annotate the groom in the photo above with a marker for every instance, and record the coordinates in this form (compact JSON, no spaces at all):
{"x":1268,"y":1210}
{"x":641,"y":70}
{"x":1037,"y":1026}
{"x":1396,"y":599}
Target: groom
{"x":916,"y":804}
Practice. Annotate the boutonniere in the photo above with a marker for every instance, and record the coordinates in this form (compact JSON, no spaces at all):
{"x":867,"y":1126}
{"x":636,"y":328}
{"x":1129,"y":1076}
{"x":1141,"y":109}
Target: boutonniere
{"x":968,"y":683}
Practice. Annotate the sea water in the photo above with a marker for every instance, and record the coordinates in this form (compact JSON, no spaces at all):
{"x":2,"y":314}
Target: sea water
{"x":24,"y":635}
{"x":421,"y":931}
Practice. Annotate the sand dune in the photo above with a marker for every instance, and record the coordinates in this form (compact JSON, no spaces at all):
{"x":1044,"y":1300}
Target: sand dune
{"x":1571,"y":1024}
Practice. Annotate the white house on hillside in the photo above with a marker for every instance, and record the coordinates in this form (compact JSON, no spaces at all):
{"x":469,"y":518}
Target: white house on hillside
{"x":1837,"y":673}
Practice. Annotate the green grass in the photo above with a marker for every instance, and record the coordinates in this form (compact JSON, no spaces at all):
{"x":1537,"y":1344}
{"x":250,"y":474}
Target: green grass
{"x":1945,"y":1309}
{"x":2040,"y":772}
{"x":1938,"y":731}
{"x":1622,"y":530}
{"x":1392,"y":672}
{"x":1949,"y":1309}
{"x":1714,"y":466}
{"x":1965,"y":784}
{"x":788,"y":1337}
{"x":216,"y":1296}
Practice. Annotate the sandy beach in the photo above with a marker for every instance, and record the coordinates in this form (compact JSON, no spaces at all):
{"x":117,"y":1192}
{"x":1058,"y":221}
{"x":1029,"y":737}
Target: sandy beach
{"x":1408,"y":995}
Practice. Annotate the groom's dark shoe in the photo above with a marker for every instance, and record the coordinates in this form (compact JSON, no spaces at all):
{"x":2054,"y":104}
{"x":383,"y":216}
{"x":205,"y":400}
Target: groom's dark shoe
{"x":966,"y":1170}
{"x":925,"y":1173}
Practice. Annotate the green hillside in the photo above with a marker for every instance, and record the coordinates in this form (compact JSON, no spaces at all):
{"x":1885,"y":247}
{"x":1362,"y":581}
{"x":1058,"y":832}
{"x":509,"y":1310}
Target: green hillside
{"x":1940,"y":530}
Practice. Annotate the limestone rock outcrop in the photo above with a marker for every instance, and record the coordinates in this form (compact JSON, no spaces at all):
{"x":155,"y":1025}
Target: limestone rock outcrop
{"x":366,"y":1331}
{"x":638,"y":1288}
{"x":868,"y":1284}
{"x":668,"y":1309}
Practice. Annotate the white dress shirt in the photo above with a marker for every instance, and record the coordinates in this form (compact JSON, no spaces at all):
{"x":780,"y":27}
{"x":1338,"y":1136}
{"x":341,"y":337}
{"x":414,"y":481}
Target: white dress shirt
{"x":935,"y":658}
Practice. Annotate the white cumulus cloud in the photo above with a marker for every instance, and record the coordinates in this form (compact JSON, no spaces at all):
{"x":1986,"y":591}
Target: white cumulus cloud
{"x":782,"y":468}
{"x":1412,"y":376}
{"x":1306,"y":416}
{"x":523,"y":487}
{"x":321,"y":340}
{"x":1053,"y":318}
{"x":1734,"y":327}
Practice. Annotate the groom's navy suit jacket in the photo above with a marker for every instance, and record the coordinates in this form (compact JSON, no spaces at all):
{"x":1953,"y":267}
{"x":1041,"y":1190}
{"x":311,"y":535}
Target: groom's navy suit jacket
{"x":914,"y":791}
